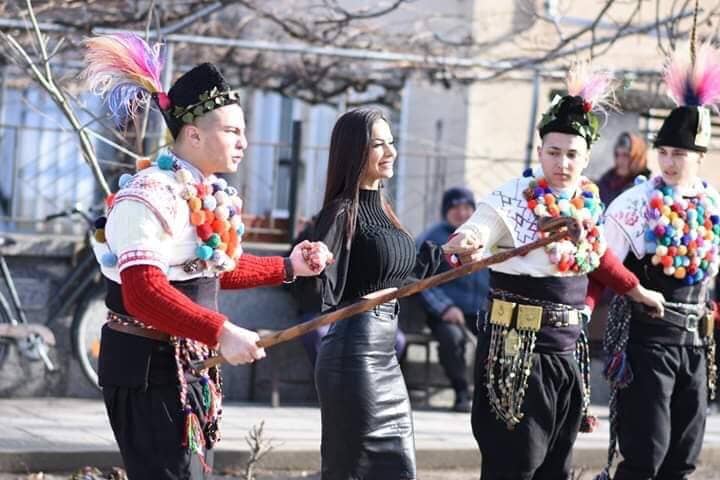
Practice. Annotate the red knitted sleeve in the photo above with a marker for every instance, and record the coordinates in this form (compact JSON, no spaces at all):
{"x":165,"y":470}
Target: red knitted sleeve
{"x":253,"y":271}
{"x":611,"y":273}
{"x":149,"y":297}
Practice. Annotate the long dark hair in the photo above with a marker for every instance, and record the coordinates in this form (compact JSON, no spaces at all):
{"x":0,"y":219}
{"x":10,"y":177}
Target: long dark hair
{"x":348,"y":159}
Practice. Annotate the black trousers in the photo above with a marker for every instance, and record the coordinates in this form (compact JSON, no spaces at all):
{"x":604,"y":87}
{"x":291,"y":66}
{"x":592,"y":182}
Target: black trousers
{"x":662,"y":413}
{"x":142,"y":399}
{"x":451,"y":348}
{"x":540,"y":447}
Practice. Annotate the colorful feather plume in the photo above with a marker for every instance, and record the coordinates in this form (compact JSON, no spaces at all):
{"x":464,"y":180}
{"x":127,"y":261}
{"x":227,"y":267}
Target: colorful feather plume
{"x":694,"y":83}
{"x":125,"y":70}
{"x":595,"y":87}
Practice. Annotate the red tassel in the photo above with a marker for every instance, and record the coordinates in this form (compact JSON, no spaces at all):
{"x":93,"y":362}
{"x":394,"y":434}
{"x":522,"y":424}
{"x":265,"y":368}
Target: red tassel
{"x":589,"y":423}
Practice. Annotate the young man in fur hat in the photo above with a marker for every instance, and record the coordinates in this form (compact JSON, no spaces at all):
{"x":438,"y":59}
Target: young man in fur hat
{"x":171,"y":240}
{"x":531,"y":383}
{"x":667,"y":231}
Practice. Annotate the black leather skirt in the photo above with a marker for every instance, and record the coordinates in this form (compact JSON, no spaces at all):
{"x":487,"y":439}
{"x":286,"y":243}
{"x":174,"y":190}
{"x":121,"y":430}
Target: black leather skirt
{"x":367,"y":430}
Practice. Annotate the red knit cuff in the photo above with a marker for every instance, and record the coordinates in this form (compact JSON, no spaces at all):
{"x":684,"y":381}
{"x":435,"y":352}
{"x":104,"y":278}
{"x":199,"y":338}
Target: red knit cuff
{"x":595,"y":291}
{"x":149,"y":297}
{"x":614,"y":275}
{"x":253,"y":271}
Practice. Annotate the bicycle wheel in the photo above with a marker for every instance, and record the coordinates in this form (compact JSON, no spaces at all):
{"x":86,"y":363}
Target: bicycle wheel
{"x":4,"y":318}
{"x":87,"y":325}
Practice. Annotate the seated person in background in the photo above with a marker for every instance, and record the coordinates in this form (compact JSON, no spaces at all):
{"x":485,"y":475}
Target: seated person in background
{"x":454,"y":307}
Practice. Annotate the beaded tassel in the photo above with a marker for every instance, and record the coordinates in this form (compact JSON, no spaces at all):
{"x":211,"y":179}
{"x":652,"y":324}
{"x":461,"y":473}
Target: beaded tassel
{"x":617,"y":369}
{"x":582,"y":353}
{"x":711,"y":367}
{"x":508,"y":370}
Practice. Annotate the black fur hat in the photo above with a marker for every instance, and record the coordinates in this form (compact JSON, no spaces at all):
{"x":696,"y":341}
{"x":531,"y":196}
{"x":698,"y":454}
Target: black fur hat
{"x":195,"y":93}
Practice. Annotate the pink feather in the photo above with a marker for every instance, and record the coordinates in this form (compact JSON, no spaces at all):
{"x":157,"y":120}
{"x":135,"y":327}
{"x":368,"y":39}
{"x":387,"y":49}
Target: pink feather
{"x":124,"y":69}
{"x":593,"y":85}
{"x":694,"y":85}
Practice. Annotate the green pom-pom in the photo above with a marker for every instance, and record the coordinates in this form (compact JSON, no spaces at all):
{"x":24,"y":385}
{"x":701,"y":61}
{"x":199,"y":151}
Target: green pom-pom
{"x":213,"y":241}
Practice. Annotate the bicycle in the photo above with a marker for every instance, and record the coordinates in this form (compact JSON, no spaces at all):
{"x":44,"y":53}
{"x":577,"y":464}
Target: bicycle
{"x":83,"y":289}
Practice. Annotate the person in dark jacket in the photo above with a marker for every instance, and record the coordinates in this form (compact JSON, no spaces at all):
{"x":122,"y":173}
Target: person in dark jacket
{"x":454,"y":307}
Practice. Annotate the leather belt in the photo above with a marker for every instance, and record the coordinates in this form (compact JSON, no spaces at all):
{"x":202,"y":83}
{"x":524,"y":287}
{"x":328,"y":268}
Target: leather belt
{"x":139,"y":331}
{"x":532,"y":317}
{"x":689,"y":317}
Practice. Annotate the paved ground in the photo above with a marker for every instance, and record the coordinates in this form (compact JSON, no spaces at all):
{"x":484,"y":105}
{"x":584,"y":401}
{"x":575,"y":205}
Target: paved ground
{"x":61,"y":435}
{"x":702,"y":474}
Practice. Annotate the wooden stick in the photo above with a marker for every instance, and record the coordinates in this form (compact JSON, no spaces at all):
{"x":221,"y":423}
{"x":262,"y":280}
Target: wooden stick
{"x":570,"y":228}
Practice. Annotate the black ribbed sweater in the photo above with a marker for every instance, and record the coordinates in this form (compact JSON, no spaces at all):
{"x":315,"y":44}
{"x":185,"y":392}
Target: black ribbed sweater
{"x":382,"y":255}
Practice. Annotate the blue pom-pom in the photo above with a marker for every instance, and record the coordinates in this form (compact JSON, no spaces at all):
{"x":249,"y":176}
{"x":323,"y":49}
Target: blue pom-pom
{"x":108,"y":259}
{"x":715,"y":219}
{"x":203,"y":252}
{"x":124,"y":179}
{"x":165,"y":161}
{"x":587,"y":194}
{"x":100,"y":222}
{"x":241,"y":229}
{"x":528,"y":172}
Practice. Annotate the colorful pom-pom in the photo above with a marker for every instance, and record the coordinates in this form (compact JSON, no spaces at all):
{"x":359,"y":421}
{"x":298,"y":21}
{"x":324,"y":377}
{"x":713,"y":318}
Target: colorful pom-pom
{"x":142,"y":163}
{"x":124,"y":180}
{"x":203,"y":252}
{"x":165,"y":161}
{"x":108,"y":259}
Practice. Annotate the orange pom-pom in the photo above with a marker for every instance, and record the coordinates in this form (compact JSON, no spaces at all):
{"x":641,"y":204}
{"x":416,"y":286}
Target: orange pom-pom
{"x":218,"y":226}
{"x":225,"y":236}
{"x":232,"y":242}
{"x":142,"y":163}
{"x":195,"y":204}
{"x":579,"y":202}
{"x":197,"y":218}
{"x":209,"y":216}
{"x":222,"y":246}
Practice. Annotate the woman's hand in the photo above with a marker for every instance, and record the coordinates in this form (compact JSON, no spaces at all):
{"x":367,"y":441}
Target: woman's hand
{"x":310,"y":258}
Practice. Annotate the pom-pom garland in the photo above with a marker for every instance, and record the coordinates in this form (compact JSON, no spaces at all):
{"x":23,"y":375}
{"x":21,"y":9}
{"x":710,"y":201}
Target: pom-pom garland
{"x":587,"y":208}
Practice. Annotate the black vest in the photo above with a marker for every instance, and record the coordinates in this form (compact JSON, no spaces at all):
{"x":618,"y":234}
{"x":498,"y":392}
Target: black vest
{"x":136,"y":362}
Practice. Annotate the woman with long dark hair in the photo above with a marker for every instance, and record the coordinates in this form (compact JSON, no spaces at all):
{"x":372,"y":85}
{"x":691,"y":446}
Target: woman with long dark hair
{"x":367,"y":431}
